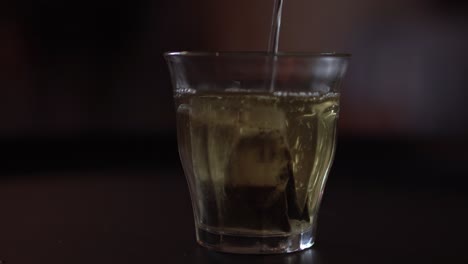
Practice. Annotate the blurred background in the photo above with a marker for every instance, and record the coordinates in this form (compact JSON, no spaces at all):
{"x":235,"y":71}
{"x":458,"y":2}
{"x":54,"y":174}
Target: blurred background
{"x":84,"y":82}
{"x":87,"y":126}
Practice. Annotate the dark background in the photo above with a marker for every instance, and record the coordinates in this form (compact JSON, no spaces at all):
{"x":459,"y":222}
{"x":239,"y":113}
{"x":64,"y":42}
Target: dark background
{"x":87,"y":125}
{"x":78,"y":67}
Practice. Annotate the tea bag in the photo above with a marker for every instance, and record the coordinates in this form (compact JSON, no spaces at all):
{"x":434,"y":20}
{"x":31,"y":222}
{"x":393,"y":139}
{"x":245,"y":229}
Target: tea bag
{"x":260,"y":185}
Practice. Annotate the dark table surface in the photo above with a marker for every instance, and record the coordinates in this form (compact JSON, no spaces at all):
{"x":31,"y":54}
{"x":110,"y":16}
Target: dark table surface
{"x":377,"y":208}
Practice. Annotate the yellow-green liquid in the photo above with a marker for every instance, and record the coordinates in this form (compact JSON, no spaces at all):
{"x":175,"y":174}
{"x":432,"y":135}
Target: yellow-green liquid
{"x":256,"y":163}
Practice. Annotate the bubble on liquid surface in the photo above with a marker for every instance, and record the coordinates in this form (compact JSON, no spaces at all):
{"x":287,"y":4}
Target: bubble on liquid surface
{"x":183,"y":109}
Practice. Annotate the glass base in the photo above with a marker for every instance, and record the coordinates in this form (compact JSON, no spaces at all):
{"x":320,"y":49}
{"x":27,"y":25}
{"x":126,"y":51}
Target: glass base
{"x":254,"y":244}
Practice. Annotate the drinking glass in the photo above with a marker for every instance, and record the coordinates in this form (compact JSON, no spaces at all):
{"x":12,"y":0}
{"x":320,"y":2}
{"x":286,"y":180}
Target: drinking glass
{"x":256,"y":137}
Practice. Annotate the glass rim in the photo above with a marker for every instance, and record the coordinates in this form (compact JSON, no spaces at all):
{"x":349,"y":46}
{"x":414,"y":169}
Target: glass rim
{"x":254,"y":54}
